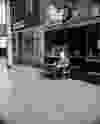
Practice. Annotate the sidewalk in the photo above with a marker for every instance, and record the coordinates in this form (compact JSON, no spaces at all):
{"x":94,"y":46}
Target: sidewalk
{"x":22,"y":68}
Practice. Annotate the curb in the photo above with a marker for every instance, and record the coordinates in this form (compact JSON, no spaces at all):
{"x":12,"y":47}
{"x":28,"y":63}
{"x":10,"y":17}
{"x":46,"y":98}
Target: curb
{"x":22,"y":68}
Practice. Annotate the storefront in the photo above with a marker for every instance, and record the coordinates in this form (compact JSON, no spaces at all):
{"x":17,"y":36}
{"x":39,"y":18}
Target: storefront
{"x":35,"y":43}
{"x":81,"y":39}
{"x":5,"y":32}
{"x":67,"y":37}
{"x":26,"y":46}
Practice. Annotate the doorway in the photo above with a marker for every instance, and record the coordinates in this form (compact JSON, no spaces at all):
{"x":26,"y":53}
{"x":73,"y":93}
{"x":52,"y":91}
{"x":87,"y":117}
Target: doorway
{"x":20,"y":48}
{"x":27,"y":47}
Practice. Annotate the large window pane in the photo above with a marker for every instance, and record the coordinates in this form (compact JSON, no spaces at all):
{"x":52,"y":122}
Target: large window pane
{"x":74,"y":38}
{"x":28,"y":7}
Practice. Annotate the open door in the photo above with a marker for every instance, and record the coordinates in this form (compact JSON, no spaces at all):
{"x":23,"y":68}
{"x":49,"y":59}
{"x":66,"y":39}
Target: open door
{"x":27,"y":48}
{"x":20,"y":48}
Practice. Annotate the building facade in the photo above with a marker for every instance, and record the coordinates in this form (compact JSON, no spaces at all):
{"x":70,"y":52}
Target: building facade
{"x":25,"y":30}
{"x":30,"y":25}
{"x":5,"y":31}
{"x":28,"y":28}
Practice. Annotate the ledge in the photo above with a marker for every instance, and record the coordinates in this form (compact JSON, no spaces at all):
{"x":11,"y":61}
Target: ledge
{"x":73,"y":22}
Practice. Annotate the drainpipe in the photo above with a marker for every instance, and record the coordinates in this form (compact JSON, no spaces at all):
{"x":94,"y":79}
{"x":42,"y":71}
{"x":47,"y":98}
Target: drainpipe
{"x":42,"y":46}
{"x":10,"y":56}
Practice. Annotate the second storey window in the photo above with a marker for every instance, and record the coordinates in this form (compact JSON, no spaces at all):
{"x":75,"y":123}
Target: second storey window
{"x":28,"y":7}
{"x":2,"y":13}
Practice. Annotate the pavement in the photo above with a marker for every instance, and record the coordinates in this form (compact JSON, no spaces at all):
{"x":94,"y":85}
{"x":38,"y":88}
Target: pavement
{"x":31,"y":96}
{"x":78,"y":73}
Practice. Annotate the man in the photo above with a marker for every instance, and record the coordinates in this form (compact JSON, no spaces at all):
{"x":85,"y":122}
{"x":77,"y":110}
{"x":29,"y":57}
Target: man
{"x":63,"y":63}
{"x":64,"y":58}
